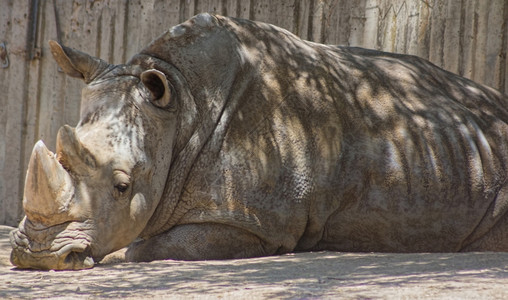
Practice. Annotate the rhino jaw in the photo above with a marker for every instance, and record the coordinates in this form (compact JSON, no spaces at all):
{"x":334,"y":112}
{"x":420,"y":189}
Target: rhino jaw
{"x":48,"y":188}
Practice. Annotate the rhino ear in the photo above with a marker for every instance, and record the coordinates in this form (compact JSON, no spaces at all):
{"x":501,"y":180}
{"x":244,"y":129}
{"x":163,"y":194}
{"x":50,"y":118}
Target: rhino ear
{"x":160,"y":92}
{"x":76,"y":63}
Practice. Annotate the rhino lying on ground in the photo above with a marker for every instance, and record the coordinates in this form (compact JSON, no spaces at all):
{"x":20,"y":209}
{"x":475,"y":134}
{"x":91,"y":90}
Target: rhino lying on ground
{"x":226,"y":138}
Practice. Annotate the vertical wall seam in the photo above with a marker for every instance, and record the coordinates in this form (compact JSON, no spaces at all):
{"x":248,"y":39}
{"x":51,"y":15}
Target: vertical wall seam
{"x":461,"y":37}
{"x":474,"y":40}
{"x":112,"y":29}
{"x":224,"y":7}
{"x":310,"y":22}
{"x":441,"y":56}
{"x":238,"y":9}
{"x":322,"y":24}
{"x":196,"y":5}
{"x":504,"y":39}
{"x":296,"y":17}
{"x":252,"y":13}
{"x":24,"y":107}
{"x":182,"y":8}
{"x":98,"y":38}
{"x":125,"y":30}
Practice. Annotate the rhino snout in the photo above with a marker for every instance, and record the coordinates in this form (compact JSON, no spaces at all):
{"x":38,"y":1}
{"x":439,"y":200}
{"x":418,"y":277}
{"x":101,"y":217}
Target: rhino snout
{"x":59,"y":247}
{"x":55,"y":232}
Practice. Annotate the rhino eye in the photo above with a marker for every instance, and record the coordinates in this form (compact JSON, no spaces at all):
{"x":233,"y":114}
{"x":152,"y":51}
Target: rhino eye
{"x":122,"y":187}
{"x":121,"y":181}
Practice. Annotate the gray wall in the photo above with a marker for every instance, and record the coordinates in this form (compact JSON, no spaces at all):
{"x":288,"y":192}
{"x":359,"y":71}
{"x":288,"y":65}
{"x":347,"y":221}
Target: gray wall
{"x":468,"y":37}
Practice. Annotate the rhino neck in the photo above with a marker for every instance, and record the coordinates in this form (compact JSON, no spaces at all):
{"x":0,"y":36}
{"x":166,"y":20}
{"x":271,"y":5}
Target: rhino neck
{"x":203,"y":60}
{"x":202,"y":119}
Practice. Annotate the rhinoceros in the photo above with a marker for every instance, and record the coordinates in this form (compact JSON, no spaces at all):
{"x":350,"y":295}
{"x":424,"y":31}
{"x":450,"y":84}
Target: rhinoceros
{"x":228,"y":138}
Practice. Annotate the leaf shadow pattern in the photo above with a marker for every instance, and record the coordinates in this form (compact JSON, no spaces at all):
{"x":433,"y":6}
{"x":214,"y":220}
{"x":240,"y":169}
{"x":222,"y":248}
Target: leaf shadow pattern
{"x":415,"y":108}
{"x":387,"y":142}
{"x":302,"y":275}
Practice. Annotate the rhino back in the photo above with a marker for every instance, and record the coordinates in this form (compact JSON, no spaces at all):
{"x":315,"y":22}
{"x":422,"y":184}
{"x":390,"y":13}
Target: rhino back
{"x":424,"y":164}
{"x":324,"y":147}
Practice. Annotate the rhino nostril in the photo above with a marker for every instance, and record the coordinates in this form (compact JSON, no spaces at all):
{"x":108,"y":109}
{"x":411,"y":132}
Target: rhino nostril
{"x":79,"y":259}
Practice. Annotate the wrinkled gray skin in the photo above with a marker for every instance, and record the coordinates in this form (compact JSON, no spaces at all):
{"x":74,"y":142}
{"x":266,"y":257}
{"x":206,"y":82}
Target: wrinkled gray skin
{"x":226,"y":138}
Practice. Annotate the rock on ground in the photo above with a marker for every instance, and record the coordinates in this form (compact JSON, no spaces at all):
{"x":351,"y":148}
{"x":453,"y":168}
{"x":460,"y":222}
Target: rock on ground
{"x":321,"y":275}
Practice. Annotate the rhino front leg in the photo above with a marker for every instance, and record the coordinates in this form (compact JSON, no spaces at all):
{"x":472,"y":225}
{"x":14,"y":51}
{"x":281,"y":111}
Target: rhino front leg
{"x":198,"y":242}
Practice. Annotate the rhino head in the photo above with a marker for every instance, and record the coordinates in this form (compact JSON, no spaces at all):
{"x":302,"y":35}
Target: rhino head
{"x":118,"y":175}
{"x":96,"y":193}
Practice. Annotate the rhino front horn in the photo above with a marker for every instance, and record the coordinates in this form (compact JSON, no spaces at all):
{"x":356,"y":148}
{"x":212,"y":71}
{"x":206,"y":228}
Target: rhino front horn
{"x":48,"y":188}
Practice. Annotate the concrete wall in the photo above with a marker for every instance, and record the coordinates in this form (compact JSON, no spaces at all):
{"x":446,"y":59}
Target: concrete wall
{"x":468,"y":37}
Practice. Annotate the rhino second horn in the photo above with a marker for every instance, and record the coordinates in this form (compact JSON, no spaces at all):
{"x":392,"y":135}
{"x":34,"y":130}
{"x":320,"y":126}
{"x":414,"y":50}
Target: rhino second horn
{"x":73,"y":156}
{"x":48,"y":188}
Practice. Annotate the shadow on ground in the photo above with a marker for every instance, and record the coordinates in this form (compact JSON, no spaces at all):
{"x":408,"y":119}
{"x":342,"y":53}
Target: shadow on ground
{"x":294,"y":276}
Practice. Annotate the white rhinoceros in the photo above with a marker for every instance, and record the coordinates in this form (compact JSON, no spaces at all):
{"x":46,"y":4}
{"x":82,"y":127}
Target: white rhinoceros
{"x":226,"y":138}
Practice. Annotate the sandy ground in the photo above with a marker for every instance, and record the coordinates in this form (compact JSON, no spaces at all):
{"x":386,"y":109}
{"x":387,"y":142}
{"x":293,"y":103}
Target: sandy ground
{"x":321,"y":275}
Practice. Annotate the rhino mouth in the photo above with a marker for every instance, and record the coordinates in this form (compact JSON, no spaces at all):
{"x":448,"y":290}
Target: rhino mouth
{"x":65,"y":246}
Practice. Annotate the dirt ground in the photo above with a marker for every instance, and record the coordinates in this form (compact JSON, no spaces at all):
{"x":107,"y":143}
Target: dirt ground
{"x":320,"y":275}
